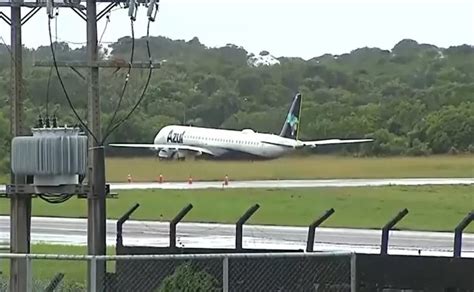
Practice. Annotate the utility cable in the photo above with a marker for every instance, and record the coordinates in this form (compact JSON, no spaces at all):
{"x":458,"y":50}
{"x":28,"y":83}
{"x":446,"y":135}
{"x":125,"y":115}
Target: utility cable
{"x":105,"y":28}
{"x":119,"y":123}
{"x":47,"y":90}
{"x":54,"y":199}
{"x":51,"y":68}
{"x":127,"y":78}
{"x":62,"y":84}
{"x":6,"y":47}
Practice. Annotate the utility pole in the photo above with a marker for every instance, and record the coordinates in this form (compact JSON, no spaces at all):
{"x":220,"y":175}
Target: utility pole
{"x":96,"y":235}
{"x":20,"y":204}
{"x":19,"y":191}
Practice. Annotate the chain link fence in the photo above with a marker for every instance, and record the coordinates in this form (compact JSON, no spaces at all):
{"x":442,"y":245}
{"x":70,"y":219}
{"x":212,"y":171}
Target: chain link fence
{"x":163,"y":273}
{"x":277,"y":271}
{"x":198,"y":272}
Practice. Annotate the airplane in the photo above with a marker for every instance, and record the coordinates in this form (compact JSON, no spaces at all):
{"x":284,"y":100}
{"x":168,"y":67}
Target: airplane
{"x":181,"y":142}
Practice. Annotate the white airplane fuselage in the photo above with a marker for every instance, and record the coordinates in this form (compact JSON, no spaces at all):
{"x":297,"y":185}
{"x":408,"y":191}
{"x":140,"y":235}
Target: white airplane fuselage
{"x":224,"y":143}
{"x":177,"y":142}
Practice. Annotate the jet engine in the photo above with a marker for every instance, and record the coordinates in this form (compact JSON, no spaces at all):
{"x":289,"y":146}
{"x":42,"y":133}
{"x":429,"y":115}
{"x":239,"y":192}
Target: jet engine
{"x":169,"y":154}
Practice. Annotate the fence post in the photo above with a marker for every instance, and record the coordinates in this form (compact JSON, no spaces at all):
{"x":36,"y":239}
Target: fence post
{"x":93,"y":275}
{"x":225,"y":274}
{"x":353,"y":272}
{"x":29,"y":274}
{"x":240,"y":223}
{"x":458,"y":234}
{"x":387,"y":227}
{"x":175,"y":221}
{"x":312,"y":228}
{"x":121,"y":221}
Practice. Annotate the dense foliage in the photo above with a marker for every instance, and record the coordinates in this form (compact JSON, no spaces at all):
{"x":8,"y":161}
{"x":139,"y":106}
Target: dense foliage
{"x":415,"y":99}
{"x":188,"y":278}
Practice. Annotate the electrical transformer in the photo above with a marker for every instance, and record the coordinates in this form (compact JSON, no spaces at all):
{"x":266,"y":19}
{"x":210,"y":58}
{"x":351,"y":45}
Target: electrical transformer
{"x":54,"y":156}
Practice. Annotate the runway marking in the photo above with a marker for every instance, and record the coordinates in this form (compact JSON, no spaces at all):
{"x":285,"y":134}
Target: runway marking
{"x":295,"y":183}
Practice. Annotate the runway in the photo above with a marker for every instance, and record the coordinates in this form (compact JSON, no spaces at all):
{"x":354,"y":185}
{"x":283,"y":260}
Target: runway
{"x":318,"y":183}
{"x":294,"y":183}
{"x":70,"y":231}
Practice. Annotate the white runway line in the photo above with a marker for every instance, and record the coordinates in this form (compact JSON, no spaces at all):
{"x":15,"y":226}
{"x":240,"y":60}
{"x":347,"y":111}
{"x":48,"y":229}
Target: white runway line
{"x":294,"y":183}
{"x":318,"y":183}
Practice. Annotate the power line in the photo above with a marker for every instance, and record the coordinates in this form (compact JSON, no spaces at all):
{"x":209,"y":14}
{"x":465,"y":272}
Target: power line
{"x":105,"y":28}
{"x":6,"y":46}
{"x":127,"y":78}
{"x":62,"y":84}
{"x":151,"y":17}
{"x":47,"y":90}
{"x":146,"y":84}
{"x":51,"y":68}
{"x":121,"y":121}
{"x":54,"y":199}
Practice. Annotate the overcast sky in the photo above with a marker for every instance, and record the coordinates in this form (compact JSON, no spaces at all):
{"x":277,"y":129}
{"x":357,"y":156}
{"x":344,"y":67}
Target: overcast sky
{"x":285,"y":28}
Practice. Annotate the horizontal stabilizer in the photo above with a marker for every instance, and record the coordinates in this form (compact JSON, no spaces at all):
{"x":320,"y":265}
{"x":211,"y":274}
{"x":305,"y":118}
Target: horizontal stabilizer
{"x":165,"y":146}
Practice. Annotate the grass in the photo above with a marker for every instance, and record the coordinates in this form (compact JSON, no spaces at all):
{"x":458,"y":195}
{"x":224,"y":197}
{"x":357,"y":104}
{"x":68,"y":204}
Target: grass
{"x":431,"y":208}
{"x":311,"y":167}
{"x":437,"y":208}
{"x":44,"y":270}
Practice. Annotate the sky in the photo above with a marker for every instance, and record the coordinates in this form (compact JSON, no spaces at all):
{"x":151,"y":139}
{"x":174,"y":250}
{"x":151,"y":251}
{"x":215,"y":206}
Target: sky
{"x":292,"y":28}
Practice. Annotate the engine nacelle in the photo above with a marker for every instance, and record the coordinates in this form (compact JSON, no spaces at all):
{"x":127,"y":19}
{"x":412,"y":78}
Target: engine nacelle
{"x":168,"y":154}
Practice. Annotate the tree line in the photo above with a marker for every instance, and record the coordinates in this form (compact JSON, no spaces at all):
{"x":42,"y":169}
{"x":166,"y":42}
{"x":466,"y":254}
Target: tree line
{"x":415,"y":99}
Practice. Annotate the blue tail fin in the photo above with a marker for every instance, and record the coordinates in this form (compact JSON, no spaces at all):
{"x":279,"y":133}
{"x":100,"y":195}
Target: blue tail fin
{"x":291,"y":125}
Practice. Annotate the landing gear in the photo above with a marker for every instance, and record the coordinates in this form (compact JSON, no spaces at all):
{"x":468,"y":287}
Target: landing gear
{"x":164,"y":155}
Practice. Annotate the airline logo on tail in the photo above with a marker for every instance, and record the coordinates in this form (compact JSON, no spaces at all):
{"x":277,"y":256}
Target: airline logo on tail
{"x":292,"y":120}
{"x":291,"y":124}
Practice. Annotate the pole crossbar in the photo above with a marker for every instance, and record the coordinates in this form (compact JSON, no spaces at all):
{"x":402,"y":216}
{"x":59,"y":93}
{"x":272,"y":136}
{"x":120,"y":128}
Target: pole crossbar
{"x":5,"y":18}
{"x":118,"y":63}
{"x":106,"y":10}
{"x":80,"y":13}
{"x":29,"y":15}
{"x":64,"y":4}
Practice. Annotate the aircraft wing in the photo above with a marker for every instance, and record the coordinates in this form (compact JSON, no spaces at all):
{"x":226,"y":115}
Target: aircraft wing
{"x":313,"y":144}
{"x":165,"y":146}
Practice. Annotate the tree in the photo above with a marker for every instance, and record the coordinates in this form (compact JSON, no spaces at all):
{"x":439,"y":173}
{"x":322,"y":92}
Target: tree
{"x":187,"y":278}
